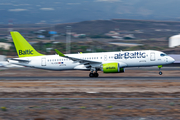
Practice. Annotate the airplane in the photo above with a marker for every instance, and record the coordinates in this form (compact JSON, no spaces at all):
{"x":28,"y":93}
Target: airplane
{"x":108,"y":62}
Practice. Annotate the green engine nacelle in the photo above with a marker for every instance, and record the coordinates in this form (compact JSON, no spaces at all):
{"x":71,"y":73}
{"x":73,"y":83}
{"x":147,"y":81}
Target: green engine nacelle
{"x":112,"y":68}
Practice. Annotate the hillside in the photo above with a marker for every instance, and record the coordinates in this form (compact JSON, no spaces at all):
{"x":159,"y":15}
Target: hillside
{"x":152,"y":34}
{"x":149,"y":29}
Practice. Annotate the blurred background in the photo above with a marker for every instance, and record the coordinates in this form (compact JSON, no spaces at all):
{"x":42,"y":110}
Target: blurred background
{"x":73,"y":26}
{"x":91,"y":26}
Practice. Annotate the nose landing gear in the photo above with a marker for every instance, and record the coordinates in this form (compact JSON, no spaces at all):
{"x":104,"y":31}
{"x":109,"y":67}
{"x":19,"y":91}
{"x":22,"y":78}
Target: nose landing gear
{"x":160,"y":73}
{"x":160,"y":66}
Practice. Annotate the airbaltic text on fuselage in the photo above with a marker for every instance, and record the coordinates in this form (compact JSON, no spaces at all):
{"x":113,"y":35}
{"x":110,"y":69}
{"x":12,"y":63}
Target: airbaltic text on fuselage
{"x":26,"y":52}
{"x":130,"y":55}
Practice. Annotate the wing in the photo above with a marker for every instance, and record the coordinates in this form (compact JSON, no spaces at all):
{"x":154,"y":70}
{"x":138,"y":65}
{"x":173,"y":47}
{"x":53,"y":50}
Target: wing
{"x":77,"y":59}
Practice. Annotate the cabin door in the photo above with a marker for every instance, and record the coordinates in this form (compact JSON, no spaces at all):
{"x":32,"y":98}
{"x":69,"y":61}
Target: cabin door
{"x":152,"y":56}
{"x":43,"y":62}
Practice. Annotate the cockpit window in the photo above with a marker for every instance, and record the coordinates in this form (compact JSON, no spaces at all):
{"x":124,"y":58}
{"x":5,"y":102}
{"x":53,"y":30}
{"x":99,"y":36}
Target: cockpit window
{"x":162,"y":55}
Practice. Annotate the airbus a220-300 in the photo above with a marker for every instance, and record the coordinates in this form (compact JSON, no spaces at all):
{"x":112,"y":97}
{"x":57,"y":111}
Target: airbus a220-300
{"x":108,"y":62}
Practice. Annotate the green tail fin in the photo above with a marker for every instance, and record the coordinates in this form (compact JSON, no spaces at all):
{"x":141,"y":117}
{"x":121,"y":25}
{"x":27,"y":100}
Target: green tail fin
{"x":23,"y":48}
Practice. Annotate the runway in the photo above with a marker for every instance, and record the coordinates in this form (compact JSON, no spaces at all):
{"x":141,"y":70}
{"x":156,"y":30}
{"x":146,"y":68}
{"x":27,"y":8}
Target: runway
{"x":139,"y":93}
{"x":89,"y":98}
{"x":88,"y":79}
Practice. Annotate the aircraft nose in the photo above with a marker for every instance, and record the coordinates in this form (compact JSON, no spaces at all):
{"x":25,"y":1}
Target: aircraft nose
{"x":171,"y":60}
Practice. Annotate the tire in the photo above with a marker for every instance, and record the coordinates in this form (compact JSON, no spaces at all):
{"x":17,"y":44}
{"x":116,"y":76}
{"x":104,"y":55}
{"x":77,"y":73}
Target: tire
{"x":91,"y":75}
{"x":96,"y":74}
{"x":160,"y":73}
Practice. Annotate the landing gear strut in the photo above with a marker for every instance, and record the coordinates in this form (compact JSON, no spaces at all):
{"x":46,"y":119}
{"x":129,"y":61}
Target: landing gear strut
{"x":160,"y":66}
{"x":92,"y":73}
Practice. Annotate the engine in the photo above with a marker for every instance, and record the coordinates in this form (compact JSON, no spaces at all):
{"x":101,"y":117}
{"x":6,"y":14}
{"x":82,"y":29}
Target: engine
{"x":112,"y":68}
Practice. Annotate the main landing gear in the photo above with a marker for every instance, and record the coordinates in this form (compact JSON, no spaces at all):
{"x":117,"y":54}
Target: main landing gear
{"x":160,"y":66}
{"x":92,"y":73}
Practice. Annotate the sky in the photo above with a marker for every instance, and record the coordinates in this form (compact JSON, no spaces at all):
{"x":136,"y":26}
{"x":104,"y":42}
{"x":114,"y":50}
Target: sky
{"x":65,"y":11}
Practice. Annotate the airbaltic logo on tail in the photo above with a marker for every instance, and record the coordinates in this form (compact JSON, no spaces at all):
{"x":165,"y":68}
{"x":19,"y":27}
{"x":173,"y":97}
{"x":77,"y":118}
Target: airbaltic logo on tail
{"x":26,"y":52}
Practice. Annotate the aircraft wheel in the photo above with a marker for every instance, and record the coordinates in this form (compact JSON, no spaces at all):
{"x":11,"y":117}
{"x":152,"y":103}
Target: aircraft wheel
{"x":160,"y":73}
{"x":91,"y":75}
{"x":96,"y":74}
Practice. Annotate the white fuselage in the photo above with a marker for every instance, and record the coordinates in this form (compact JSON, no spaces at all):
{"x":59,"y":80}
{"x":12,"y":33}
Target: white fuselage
{"x":125,"y":58}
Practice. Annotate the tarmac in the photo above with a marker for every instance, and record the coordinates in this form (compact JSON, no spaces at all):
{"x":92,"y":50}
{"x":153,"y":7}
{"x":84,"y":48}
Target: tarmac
{"x":139,"y":93}
{"x":160,"y":78}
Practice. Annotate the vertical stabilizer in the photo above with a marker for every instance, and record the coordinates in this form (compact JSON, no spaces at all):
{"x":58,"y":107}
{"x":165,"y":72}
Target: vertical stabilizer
{"x":23,"y":48}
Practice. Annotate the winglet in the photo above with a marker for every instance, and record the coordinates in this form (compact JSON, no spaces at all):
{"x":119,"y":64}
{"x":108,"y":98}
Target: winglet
{"x":59,"y":53}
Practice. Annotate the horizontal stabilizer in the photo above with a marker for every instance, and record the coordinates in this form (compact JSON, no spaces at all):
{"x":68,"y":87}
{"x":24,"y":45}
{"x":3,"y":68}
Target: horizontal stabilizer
{"x":20,"y":60}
